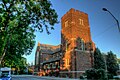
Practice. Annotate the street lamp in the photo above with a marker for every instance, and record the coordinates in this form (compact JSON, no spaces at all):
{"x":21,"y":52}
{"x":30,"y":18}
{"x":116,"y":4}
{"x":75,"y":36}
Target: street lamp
{"x":104,"y":9}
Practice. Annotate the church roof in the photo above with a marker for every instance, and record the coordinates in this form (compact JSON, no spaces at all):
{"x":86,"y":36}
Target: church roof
{"x":45,"y":48}
{"x":52,"y":60}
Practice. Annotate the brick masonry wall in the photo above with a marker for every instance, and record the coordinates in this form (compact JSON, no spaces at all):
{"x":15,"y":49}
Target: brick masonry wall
{"x":74,"y":28}
{"x":83,"y":60}
{"x":80,"y":63}
{"x":77,"y":27}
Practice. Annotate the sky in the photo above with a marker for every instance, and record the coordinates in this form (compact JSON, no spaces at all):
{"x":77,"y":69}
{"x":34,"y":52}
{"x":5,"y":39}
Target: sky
{"x":104,"y":29}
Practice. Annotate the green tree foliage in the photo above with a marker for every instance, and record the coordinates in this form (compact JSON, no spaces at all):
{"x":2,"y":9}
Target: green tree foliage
{"x":19,"y":63}
{"x":19,"y":19}
{"x":91,"y":74}
{"x":22,"y":65}
{"x":99,"y":61}
{"x":96,"y":74}
{"x":118,"y":60}
{"x":112,"y":65}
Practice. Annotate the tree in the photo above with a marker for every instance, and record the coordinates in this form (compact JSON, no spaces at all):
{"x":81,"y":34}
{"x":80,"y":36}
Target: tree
{"x":96,"y":74}
{"x":14,"y":61}
{"x":19,"y":19}
{"x":22,"y":65}
{"x":118,"y":60}
{"x":99,"y":61}
{"x":98,"y":71}
{"x":112,"y":65}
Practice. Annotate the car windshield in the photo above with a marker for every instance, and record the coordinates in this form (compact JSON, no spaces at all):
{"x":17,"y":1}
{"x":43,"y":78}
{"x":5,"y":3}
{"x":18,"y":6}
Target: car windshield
{"x":5,"y":74}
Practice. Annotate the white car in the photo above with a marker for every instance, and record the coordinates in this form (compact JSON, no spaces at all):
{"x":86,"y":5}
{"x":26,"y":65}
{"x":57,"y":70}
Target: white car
{"x":5,"y":73}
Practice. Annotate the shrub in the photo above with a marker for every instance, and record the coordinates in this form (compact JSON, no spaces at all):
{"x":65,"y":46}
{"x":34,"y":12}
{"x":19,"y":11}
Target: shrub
{"x":110,"y":76}
{"x":91,"y":74}
{"x":81,"y":77}
{"x":101,"y":74}
{"x":96,"y":74}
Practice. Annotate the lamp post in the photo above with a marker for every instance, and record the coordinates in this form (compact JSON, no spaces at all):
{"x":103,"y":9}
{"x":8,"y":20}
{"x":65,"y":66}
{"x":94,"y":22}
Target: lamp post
{"x":104,"y":9}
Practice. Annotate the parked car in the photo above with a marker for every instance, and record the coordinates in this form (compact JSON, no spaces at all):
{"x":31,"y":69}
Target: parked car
{"x":5,"y":73}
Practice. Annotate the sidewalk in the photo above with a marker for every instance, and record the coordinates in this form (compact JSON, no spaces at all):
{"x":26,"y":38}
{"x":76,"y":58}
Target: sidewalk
{"x":56,"y":78}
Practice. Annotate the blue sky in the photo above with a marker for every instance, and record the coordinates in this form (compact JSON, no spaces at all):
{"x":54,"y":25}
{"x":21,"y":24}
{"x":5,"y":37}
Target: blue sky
{"x":104,"y":30}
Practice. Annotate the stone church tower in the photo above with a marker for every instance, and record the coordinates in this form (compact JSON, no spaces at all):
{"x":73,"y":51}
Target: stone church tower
{"x":77,"y":45}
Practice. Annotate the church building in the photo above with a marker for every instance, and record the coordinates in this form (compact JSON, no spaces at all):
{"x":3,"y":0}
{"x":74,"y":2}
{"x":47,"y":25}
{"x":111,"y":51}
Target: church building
{"x":75,"y":53}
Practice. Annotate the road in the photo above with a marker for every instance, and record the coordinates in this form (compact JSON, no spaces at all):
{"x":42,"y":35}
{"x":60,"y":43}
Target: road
{"x":26,"y":77}
{"x":32,"y":77}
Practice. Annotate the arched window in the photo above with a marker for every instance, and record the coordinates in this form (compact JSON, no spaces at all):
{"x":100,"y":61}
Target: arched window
{"x":82,"y":45}
{"x":66,"y":45}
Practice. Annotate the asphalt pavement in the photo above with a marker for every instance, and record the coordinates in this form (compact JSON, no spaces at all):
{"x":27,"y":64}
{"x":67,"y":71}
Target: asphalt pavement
{"x":32,"y":77}
{"x":26,"y":77}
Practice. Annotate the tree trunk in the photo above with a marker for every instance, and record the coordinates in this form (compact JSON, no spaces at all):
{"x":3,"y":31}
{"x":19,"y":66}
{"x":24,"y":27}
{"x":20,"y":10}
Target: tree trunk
{"x":3,"y":56}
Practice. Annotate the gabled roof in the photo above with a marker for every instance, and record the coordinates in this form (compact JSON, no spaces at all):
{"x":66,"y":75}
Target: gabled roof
{"x":51,"y":60}
{"x":45,"y":48}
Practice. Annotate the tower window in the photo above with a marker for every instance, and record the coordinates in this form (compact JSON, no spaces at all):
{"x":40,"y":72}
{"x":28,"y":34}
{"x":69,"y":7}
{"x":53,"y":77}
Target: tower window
{"x":82,"y":45}
{"x":81,"y":21}
{"x":66,"y":23}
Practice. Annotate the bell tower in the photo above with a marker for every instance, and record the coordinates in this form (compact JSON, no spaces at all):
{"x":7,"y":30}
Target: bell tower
{"x":76,"y":24}
{"x":75,"y":34}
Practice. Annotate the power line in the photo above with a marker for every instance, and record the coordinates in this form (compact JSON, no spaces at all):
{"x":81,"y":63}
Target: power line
{"x":102,"y":32}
